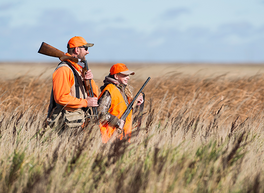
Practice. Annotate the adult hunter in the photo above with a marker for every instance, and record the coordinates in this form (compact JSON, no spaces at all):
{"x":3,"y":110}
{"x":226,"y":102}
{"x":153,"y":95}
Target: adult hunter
{"x":70,"y":101}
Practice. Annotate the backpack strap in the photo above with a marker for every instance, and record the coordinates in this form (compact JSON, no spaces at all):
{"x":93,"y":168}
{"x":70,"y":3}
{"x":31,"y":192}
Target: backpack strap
{"x":77,"y":80}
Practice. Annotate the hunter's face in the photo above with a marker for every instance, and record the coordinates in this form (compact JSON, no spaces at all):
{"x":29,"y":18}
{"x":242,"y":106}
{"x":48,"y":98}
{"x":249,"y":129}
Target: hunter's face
{"x":82,"y":52}
{"x":122,"y":79}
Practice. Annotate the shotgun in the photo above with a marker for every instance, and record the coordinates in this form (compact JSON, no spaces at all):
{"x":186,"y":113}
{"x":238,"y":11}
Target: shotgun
{"x":49,"y":50}
{"x":130,"y":106}
{"x":88,"y":85}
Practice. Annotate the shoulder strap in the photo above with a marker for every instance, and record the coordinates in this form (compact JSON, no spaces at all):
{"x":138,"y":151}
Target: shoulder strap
{"x":77,"y":79}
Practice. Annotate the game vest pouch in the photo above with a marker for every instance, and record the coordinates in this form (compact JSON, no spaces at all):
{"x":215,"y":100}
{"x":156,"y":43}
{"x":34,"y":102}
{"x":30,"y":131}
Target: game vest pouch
{"x":74,"y":118}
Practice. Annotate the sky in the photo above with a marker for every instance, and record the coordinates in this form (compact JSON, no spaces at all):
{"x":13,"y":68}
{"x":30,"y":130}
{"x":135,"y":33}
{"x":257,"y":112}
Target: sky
{"x":135,"y":31}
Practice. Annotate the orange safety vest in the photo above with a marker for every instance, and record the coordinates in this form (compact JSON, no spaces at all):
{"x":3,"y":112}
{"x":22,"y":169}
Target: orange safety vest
{"x":117,"y":108}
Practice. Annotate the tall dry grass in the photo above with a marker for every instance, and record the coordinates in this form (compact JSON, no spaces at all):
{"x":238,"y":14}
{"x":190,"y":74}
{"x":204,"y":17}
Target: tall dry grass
{"x":197,"y":134}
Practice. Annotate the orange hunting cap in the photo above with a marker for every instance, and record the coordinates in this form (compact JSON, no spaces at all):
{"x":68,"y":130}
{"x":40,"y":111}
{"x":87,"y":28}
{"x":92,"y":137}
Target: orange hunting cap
{"x":78,"y":41}
{"x":120,"y":68}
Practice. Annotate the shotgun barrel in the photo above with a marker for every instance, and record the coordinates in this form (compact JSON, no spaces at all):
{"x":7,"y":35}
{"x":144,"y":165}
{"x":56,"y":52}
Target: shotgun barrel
{"x":88,"y":86}
{"x":130,"y":106}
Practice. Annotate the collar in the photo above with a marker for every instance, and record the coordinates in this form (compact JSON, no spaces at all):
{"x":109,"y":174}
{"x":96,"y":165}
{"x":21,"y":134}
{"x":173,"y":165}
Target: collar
{"x":109,"y":80}
{"x":75,"y":65}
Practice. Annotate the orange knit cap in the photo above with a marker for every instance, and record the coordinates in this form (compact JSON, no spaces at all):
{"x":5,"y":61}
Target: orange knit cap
{"x":78,"y":41}
{"x":120,"y":68}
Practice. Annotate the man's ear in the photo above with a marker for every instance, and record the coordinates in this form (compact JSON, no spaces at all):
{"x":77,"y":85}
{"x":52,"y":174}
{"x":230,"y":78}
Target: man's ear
{"x":76,"y":50}
{"x":115,"y":76}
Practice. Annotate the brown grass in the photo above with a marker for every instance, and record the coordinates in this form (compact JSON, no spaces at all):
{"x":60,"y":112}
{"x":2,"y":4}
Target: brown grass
{"x":198,"y":134}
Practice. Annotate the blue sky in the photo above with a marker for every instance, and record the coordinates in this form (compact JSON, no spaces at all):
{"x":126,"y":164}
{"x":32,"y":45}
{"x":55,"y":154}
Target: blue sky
{"x":136,"y":31}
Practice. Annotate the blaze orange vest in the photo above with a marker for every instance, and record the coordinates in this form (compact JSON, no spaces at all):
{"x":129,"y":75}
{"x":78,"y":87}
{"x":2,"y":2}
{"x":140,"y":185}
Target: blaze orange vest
{"x":117,"y":108}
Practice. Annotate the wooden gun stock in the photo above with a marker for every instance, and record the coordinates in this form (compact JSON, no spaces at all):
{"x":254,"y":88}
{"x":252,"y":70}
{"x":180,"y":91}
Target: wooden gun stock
{"x":49,"y":50}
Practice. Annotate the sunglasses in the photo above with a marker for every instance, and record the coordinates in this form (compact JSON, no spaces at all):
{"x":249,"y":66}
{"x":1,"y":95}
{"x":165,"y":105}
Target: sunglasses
{"x":85,"y":47}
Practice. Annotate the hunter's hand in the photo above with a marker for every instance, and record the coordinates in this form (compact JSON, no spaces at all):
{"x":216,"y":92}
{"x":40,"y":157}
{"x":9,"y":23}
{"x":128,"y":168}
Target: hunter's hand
{"x":88,"y":75}
{"x":140,"y":99}
{"x":120,"y":127}
{"x":92,"y":102}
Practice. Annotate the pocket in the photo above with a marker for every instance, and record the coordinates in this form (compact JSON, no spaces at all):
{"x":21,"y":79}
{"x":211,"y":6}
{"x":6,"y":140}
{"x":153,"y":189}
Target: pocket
{"x":75,"y":118}
{"x":56,"y":119}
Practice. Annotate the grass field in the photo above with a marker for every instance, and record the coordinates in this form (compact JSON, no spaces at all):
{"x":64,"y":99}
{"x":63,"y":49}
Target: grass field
{"x":201,"y":131}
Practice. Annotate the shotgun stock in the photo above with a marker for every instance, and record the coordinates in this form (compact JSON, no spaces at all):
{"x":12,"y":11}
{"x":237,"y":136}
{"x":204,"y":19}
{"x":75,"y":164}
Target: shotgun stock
{"x":49,"y":50}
